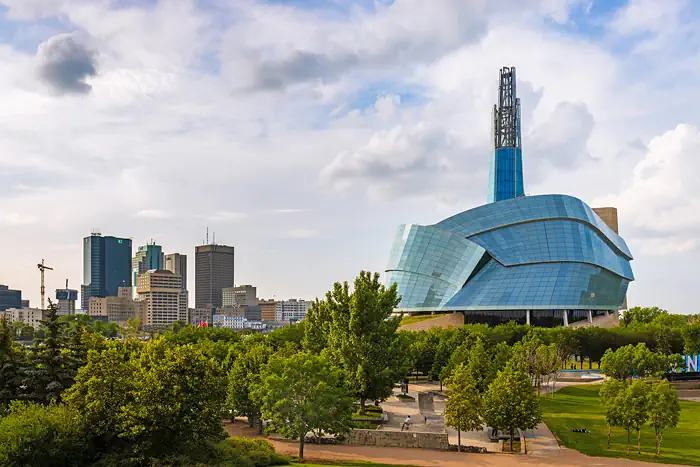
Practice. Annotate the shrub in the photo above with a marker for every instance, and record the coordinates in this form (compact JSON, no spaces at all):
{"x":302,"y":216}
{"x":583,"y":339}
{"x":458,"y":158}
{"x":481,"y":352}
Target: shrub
{"x":247,"y":452}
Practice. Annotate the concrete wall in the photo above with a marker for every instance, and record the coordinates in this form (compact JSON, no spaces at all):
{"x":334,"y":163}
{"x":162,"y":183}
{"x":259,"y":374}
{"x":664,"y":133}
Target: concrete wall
{"x":399,"y":439}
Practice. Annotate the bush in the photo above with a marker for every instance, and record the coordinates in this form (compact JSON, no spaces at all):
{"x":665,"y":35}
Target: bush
{"x":37,"y":435}
{"x":246,"y":452}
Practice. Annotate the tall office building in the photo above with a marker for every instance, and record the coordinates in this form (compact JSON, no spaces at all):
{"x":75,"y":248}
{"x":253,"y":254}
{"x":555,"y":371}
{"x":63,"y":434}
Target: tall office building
{"x":165,"y":301}
{"x":106,"y":267}
{"x":10,"y":298}
{"x":213,"y":271}
{"x":177,"y":263}
{"x":66,"y":299}
{"x":147,"y":257}
{"x":506,"y":169}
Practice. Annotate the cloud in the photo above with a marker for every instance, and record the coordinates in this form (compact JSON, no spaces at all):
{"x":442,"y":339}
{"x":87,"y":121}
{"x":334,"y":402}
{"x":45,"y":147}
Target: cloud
{"x":298,"y":234}
{"x":287,"y":211}
{"x":403,"y":159}
{"x":65,"y":62}
{"x":562,"y":139}
{"x":226,"y":217}
{"x":16,"y":220}
{"x":153,"y":214}
{"x":659,"y":200}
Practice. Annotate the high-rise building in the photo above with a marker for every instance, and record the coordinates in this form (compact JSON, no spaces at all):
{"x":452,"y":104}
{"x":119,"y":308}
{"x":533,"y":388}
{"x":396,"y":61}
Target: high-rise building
{"x":177,"y":263}
{"x":241,"y":295}
{"x":213,"y":271}
{"x":117,"y":309}
{"x":10,"y":298}
{"x":506,"y":169}
{"x":106,"y":267}
{"x":165,"y":301}
{"x":292,"y":309}
{"x":147,"y":258}
{"x":65,"y":300}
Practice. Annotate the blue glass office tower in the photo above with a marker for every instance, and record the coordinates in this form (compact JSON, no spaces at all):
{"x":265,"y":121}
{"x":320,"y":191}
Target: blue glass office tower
{"x":506,"y":169}
{"x":545,"y":259}
{"x":10,"y":298}
{"x":147,"y":257}
{"x":106,"y":267}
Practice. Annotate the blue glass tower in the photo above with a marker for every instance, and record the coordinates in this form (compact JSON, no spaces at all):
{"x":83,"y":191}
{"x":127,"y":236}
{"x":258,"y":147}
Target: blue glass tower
{"x":506,"y":169}
{"x":106,"y":267}
{"x":147,"y":257}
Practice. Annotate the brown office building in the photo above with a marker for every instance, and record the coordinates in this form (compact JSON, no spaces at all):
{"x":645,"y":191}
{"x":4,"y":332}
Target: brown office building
{"x":213,"y":271}
{"x":267,"y":309}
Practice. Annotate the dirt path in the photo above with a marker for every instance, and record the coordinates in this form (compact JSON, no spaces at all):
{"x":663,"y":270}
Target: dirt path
{"x":429,"y":458}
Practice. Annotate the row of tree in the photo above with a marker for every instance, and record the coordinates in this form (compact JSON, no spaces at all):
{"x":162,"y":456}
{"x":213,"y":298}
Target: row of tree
{"x":631,"y":403}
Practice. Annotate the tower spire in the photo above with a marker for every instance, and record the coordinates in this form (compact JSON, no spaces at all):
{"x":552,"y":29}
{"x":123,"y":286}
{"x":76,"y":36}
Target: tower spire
{"x":506,"y":170}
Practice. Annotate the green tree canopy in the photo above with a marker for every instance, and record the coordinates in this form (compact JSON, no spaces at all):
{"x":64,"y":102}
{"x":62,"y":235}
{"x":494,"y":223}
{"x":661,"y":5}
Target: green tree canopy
{"x":633,"y":410}
{"x":359,"y":335}
{"x":511,"y":403}
{"x":610,"y":397}
{"x":244,"y":376}
{"x":664,"y":409}
{"x":304,"y":393}
{"x":463,"y":404}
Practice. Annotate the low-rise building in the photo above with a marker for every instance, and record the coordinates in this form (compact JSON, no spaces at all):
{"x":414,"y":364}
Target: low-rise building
{"x":118,"y":309}
{"x":29,"y":316}
{"x":267,"y":309}
{"x":197,"y":316}
{"x":237,"y":322}
{"x":292,"y":309}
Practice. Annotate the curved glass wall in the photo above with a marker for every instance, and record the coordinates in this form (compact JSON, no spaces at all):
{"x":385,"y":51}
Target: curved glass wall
{"x":430,"y":265}
{"x":530,"y":208}
{"x":541,"y":286}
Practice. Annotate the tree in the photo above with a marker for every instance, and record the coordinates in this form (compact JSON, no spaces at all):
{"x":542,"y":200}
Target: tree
{"x":511,"y":403}
{"x":610,"y":394}
{"x":691,"y":338}
{"x":548,"y":361}
{"x":633,"y":410}
{"x":463,"y":404}
{"x":12,"y":360}
{"x":361,"y":335}
{"x":243,"y":377}
{"x":303,"y":393}
{"x":51,"y":370}
{"x":641,"y":315}
{"x":664,"y":409}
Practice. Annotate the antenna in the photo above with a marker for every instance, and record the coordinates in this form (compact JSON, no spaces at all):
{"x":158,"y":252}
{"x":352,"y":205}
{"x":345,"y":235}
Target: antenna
{"x":207,"y":236}
{"x":66,"y":283}
{"x":213,"y":240}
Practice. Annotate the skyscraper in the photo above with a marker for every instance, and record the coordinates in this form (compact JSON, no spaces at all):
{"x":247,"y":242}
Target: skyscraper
{"x":106,"y":267}
{"x":213,"y":271}
{"x":506,"y":168}
{"x":165,"y":300}
{"x":147,"y":257}
{"x":10,"y":298}
{"x":177,"y":263}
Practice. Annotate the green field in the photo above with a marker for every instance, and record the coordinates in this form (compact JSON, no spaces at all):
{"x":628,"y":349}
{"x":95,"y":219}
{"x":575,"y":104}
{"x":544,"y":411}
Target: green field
{"x":579,"y":407}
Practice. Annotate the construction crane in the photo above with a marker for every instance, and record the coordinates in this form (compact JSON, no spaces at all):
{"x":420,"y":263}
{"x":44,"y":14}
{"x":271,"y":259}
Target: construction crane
{"x":43,"y":268}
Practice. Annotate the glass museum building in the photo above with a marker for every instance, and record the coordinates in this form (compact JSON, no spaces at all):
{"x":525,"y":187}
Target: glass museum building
{"x":545,"y":260}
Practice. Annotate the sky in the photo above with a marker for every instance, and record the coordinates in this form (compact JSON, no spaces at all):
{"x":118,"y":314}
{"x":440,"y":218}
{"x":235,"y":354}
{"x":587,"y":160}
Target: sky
{"x":303,"y":132}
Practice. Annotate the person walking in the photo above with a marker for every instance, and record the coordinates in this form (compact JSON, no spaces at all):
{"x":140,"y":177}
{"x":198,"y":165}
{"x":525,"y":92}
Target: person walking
{"x":406,"y":423}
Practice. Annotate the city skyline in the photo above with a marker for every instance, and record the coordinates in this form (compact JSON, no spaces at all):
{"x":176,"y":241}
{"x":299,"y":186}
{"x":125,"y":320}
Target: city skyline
{"x":305,"y":154}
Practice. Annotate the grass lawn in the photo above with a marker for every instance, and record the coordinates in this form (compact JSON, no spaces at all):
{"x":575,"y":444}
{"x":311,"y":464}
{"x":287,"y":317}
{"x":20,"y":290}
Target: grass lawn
{"x":417,"y":319}
{"x":579,"y":407}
